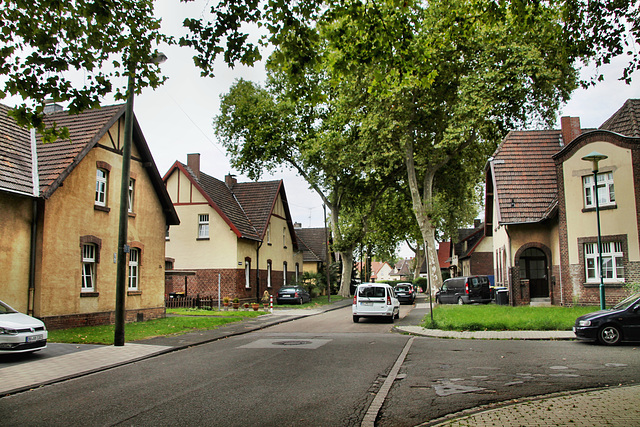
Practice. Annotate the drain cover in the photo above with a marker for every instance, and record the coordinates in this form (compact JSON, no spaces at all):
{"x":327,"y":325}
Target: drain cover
{"x":292,"y":342}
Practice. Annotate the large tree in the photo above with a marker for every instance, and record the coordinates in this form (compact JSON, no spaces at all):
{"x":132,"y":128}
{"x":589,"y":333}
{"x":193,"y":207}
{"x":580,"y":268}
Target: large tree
{"x":43,"y":43}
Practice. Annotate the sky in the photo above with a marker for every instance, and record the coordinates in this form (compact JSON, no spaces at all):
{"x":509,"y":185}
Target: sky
{"x":176,"y":118}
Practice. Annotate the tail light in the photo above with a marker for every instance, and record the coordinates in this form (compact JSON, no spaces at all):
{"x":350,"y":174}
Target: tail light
{"x":388,"y":299}
{"x":466,"y":288}
{"x":296,"y":295}
{"x":354,"y":299}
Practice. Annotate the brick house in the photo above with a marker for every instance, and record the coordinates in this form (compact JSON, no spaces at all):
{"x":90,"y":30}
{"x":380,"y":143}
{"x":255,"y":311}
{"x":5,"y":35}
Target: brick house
{"x":59,"y":216}
{"x":240,"y":235}
{"x":472,"y":253}
{"x":540,"y":210}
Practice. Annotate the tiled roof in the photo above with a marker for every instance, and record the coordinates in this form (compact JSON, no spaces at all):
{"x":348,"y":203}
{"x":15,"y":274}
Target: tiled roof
{"x":15,"y":155}
{"x":56,"y":160}
{"x":625,"y":121}
{"x":247,"y":205}
{"x":313,"y":243}
{"x":524,"y":174}
{"x":468,"y":238}
{"x":444,"y":254}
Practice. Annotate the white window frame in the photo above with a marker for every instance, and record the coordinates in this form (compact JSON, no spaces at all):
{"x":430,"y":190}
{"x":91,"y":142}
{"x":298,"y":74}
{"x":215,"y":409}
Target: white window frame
{"x":612,"y":262}
{"x":284,"y":273}
{"x":606,"y":190}
{"x":247,"y":274}
{"x":132,"y":184}
{"x":269,"y":268}
{"x":88,"y":267}
{"x":203,"y":226}
{"x":102,"y":181}
{"x":134,"y":269}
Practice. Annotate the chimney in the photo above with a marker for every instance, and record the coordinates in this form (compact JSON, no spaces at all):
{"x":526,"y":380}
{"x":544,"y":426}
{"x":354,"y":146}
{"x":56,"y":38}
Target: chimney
{"x":193,"y":161}
{"x":230,"y":180}
{"x":51,"y":107}
{"x":570,"y":129}
{"x":297,"y":225}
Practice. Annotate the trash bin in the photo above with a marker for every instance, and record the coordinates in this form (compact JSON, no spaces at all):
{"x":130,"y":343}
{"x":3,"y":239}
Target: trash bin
{"x":502,"y":296}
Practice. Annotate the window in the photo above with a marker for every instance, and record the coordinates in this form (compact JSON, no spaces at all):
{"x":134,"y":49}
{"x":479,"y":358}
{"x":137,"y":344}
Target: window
{"x":612,"y":262}
{"x":297,"y":272}
{"x":606,"y":191}
{"x":134,"y":268}
{"x":269,"y":234}
{"x":101,"y":187}
{"x":132,"y":183}
{"x":203,"y":226}
{"x":247,"y":274}
{"x":284,"y":237}
{"x":88,"y":268}
{"x":268,"y":274}
{"x":284,"y":274}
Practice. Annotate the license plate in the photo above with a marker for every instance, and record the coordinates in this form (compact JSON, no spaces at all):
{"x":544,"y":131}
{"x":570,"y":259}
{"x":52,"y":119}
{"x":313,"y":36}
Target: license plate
{"x":286,"y":296}
{"x":34,"y":338}
{"x":401,"y":295}
{"x":366,"y":303}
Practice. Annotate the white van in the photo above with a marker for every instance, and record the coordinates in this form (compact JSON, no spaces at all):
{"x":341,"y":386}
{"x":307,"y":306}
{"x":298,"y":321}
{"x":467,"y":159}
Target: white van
{"x":375,"y":300}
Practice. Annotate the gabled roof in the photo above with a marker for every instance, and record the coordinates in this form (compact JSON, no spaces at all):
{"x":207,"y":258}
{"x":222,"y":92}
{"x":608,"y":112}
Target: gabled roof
{"x":402,"y":268}
{"x":468,"y":241}
{"x":625,"y":121}
{"x":444,"y":254}
{"x":246,"y":207}
{"x":58,"y":159}
{"x":524,"y":176}
{"x":312,"y":242}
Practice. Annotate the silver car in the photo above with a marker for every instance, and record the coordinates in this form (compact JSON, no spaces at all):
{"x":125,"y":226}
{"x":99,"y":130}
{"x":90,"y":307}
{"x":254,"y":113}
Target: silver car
{"x":20,"y":333}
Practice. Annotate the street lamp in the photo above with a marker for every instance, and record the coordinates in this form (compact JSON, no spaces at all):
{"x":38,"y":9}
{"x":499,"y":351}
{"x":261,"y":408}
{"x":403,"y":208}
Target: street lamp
{"x":123,"y":248}
{"x":595,"y":157}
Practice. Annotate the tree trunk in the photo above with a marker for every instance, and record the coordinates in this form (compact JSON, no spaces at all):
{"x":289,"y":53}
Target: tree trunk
{"x":347,"y":268}
{"x":418,"y":260}
{"x":420,"y":203}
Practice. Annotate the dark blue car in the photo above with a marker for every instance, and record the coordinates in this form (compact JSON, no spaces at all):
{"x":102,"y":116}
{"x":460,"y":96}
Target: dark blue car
{"x":609,"y":327}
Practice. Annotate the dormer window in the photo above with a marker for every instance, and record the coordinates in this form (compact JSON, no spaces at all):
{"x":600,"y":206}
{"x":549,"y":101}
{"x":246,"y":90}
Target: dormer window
{"x":606,"y":190}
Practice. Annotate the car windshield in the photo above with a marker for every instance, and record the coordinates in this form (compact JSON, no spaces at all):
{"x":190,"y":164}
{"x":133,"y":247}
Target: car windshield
{"x":372,"y":292}
{"x":5,"y":309}
{"x":402,"y":288}
{"x":625,"y":303}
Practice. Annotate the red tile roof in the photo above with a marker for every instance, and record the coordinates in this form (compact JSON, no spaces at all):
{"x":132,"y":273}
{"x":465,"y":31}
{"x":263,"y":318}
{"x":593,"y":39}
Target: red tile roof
{"x":524,"y":175}
{"x":625,"y":121}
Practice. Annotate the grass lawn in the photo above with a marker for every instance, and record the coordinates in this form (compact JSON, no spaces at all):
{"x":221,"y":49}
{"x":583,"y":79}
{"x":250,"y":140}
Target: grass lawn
{"x":195,"y":320}
{"x":493,"y":317}
{"x":184,"y":320}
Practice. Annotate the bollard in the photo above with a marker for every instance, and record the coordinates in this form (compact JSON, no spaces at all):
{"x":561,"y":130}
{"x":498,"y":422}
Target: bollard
{"x":271,"y":303}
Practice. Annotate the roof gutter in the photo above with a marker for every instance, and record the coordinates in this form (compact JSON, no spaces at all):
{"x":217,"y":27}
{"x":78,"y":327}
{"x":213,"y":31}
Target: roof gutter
{"x":35,"y":179}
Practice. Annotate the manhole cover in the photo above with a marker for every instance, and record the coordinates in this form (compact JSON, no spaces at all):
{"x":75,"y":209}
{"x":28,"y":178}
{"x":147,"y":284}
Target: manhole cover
{"x":292,"y":343}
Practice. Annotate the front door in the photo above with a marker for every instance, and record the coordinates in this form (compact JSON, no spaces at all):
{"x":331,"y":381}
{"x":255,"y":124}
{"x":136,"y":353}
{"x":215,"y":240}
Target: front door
{"x":533,"y":266}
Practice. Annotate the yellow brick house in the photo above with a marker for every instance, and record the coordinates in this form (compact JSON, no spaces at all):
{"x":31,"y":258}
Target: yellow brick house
{"x":59,"y":214}
{"x":238,"y":237}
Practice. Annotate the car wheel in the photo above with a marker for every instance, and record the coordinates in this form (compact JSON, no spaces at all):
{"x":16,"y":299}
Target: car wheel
{"x":355,"y":319}
{"x":609,"y":335}
{"x":460,"y":302}
{"x":397,"y":316}
{"x":438,"y":300}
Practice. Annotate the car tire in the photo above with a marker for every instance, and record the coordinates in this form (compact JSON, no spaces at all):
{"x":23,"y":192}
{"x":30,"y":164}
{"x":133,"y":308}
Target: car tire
{"x":609,"y":335}
{"x":397,"y":316}
{"x":355,"y":319}
{"x":438,"y":300}
{"x":460,"y":301}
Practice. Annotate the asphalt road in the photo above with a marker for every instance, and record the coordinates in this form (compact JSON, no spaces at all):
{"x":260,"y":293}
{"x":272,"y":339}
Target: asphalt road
{"x":321,"y":370}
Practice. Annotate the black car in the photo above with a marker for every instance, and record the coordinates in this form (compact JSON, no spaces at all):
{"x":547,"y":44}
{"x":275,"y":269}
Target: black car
{"x":292,"y":295}
{"x":609,"y":327}
{"x":405,"y":292}
{"x":465,"y":290}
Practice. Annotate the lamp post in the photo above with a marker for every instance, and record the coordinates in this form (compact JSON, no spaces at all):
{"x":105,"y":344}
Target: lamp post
{"x":595,"y":157}
{"x":123,"y":248}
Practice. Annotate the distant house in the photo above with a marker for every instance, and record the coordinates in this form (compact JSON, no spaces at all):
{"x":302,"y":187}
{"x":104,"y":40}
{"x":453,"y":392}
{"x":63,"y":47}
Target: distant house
{"x":540,"y":210}
{"x":313,"y":244}
{"x":472,"y":253}
{"x":444,"y":259}
{"x":59,"y":216}
{"x":402,"y":270}
{"x":235,"y":235}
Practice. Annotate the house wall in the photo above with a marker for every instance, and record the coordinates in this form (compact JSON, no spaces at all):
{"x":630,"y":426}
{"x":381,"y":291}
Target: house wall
{"x":16,"y":213}
{"x":69,"y":214}
{"x":619,"y":223}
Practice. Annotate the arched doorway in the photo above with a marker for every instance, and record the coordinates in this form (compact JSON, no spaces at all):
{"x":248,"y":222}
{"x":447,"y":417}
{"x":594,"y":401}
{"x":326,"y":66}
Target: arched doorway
{"x":533,"y":266}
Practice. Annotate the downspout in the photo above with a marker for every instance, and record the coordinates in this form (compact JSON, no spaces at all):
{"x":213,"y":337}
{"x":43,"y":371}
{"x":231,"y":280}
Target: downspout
{"x":258,"y":270}
{"x":35,"y":179}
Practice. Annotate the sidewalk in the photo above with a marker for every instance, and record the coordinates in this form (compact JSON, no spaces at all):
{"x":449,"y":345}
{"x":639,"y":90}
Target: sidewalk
{"x":618,"y":406}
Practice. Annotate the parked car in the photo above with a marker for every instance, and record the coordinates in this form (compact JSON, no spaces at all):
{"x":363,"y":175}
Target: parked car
{"x":405,"y":292}
{"x":610,"y":327}
{"x":20,"y":333}
{"x":292,"y":295}
{"x":464,"y":290}
{"x":375,"y":300}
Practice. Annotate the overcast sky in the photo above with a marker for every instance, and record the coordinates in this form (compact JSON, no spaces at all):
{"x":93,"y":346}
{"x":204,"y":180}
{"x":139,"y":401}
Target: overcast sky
{"x":176,"y":119}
